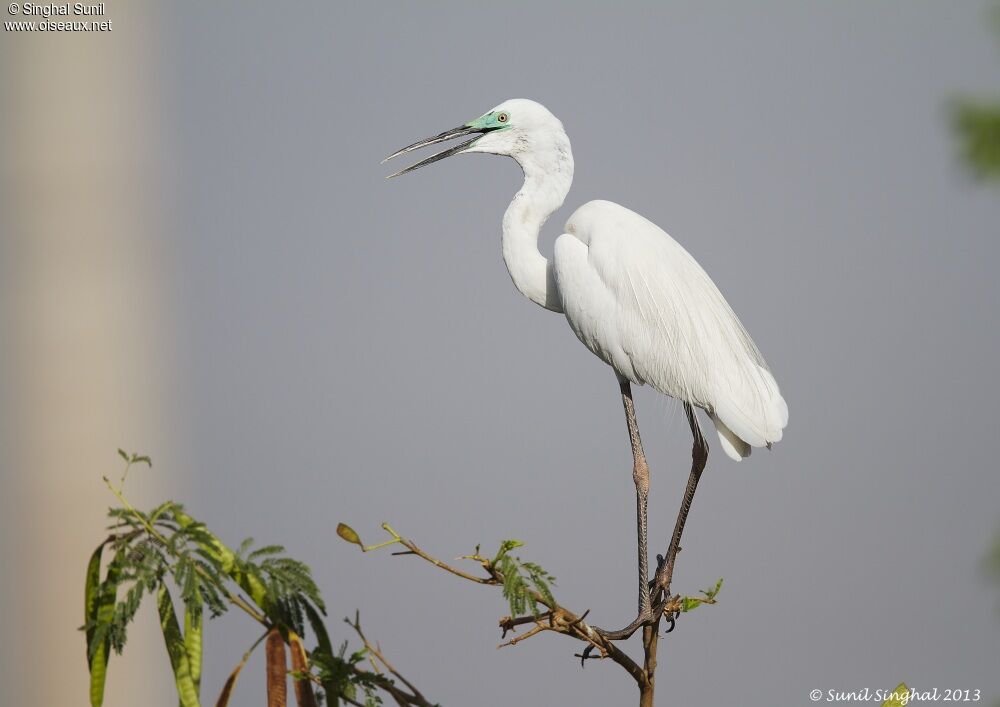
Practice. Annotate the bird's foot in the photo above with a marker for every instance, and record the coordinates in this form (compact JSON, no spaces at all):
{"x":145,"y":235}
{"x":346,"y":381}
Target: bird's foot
{"x":645,"y":618}
{"x":648,"y":616}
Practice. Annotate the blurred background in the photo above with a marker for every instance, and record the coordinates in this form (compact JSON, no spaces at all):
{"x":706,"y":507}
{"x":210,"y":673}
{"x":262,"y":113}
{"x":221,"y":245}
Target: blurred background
{"x":201,"y":261}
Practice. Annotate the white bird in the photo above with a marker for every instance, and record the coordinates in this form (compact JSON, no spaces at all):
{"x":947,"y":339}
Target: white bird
{"x":631,"y":293}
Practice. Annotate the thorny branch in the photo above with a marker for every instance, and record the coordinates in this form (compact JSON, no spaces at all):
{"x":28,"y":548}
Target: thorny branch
{"x":557,"y":618}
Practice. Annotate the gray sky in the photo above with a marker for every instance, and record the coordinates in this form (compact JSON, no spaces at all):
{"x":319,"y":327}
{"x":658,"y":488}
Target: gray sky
{"x":352,"y":349}
{"x":355,"y":351}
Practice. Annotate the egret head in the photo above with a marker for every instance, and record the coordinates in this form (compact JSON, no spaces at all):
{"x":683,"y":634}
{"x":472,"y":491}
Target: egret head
{"x":517,"y":128}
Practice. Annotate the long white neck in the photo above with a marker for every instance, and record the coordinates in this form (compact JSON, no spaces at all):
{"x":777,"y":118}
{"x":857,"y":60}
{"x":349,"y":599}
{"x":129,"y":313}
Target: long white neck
{"x":548,"y":174}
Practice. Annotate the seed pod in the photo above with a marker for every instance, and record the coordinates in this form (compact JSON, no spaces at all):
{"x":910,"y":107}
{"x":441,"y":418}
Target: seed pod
{"x":304,"y":695}
{"x":277,"y":670}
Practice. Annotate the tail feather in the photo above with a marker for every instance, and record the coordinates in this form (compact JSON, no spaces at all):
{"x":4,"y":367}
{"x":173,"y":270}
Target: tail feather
{"x":734,"y":447}
{"x":756,"y":424}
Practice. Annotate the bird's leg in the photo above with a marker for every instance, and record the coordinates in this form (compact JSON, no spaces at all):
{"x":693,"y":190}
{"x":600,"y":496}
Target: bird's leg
{"x":640,"y":475}
{"x":665,"y":565}
{"x":659,"y":587}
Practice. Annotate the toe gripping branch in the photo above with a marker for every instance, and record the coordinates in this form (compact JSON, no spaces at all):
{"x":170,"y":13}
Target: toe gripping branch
{"x":663,"y":605}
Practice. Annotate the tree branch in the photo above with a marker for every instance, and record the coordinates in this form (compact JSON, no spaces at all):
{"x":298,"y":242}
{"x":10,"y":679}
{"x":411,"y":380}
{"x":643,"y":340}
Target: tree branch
{"x":557,"y":619}
{"x":401,"y":697}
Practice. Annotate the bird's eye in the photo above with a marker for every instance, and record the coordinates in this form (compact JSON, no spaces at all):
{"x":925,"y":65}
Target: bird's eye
{"x":502,"y":118}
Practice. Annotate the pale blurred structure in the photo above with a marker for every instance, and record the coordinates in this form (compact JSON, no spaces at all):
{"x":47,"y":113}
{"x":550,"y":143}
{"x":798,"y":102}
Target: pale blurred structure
{"x":84,"y":328}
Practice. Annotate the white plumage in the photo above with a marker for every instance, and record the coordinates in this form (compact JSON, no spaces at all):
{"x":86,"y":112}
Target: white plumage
{"x":633,"y":296}
{"x":643,"y":305}
{"x":630,"y":292}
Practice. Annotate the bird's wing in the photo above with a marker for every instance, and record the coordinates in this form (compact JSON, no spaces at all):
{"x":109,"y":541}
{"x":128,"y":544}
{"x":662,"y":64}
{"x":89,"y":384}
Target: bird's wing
{"x":639,"y":301}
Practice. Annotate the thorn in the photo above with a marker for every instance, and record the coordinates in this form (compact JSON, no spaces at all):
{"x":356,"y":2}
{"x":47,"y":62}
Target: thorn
{"x":580,"y":619}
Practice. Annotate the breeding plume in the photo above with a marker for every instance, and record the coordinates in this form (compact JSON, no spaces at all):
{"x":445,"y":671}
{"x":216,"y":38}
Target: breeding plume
{"x":630,"y":293}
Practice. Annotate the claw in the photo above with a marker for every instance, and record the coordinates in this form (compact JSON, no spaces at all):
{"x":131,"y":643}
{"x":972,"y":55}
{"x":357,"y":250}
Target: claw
{"x":586,"y":654}
{"x":643,"y":619}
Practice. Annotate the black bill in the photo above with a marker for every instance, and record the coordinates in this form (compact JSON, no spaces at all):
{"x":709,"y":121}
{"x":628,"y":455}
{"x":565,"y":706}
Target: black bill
{"x":460,"y":131}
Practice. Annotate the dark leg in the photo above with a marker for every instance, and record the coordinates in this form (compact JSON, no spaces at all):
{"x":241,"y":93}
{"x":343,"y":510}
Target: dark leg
{"x":699,"y":457}
{"x":640,"y":475}
{"x":660,"y":586}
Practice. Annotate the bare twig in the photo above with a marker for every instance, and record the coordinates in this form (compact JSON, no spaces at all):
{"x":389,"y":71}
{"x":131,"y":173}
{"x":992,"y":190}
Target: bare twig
{"x":227,"y":688}
{"x":517,"y":639}
{"x":415,"y":698}
{"x":509,"y":623}
{"x":412,"y":548}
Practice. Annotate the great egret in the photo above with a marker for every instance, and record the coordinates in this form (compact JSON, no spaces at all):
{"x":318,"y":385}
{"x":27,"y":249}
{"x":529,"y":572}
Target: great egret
{"x":632,"y":295}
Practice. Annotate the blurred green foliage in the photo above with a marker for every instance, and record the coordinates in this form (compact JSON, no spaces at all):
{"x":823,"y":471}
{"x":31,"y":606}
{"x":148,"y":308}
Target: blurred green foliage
{"x":977,"y":125}
{"x":991,"y":562}
{"x":167,"y":554}
{"x":976,"y":122}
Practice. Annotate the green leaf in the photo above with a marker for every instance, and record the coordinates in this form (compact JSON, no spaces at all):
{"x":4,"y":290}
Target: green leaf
{"x":347,"y":533}
{"x":92,"y":588}
{"x":977,"y":126}
{"x":98,"y":651}
{"x":505,"y":547}
{"x":266,"y":551}
{"x":193,"y":623}
{"x":519,"y":578}
{"x":899,"y":697}
{"x":179,"y":660}
{"x":143,"y":459}
{"x":99,"y":608}
{"x":690,"y":604}
{"x":324,"y":650}
{"x":244,"y":546}
{"x":319,"y":629}
{"x":710,"y":593}
{"x":225,"y":558}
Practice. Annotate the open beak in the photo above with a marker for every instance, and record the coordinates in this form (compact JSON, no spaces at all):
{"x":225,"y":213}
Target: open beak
{"x":460,"y":131}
